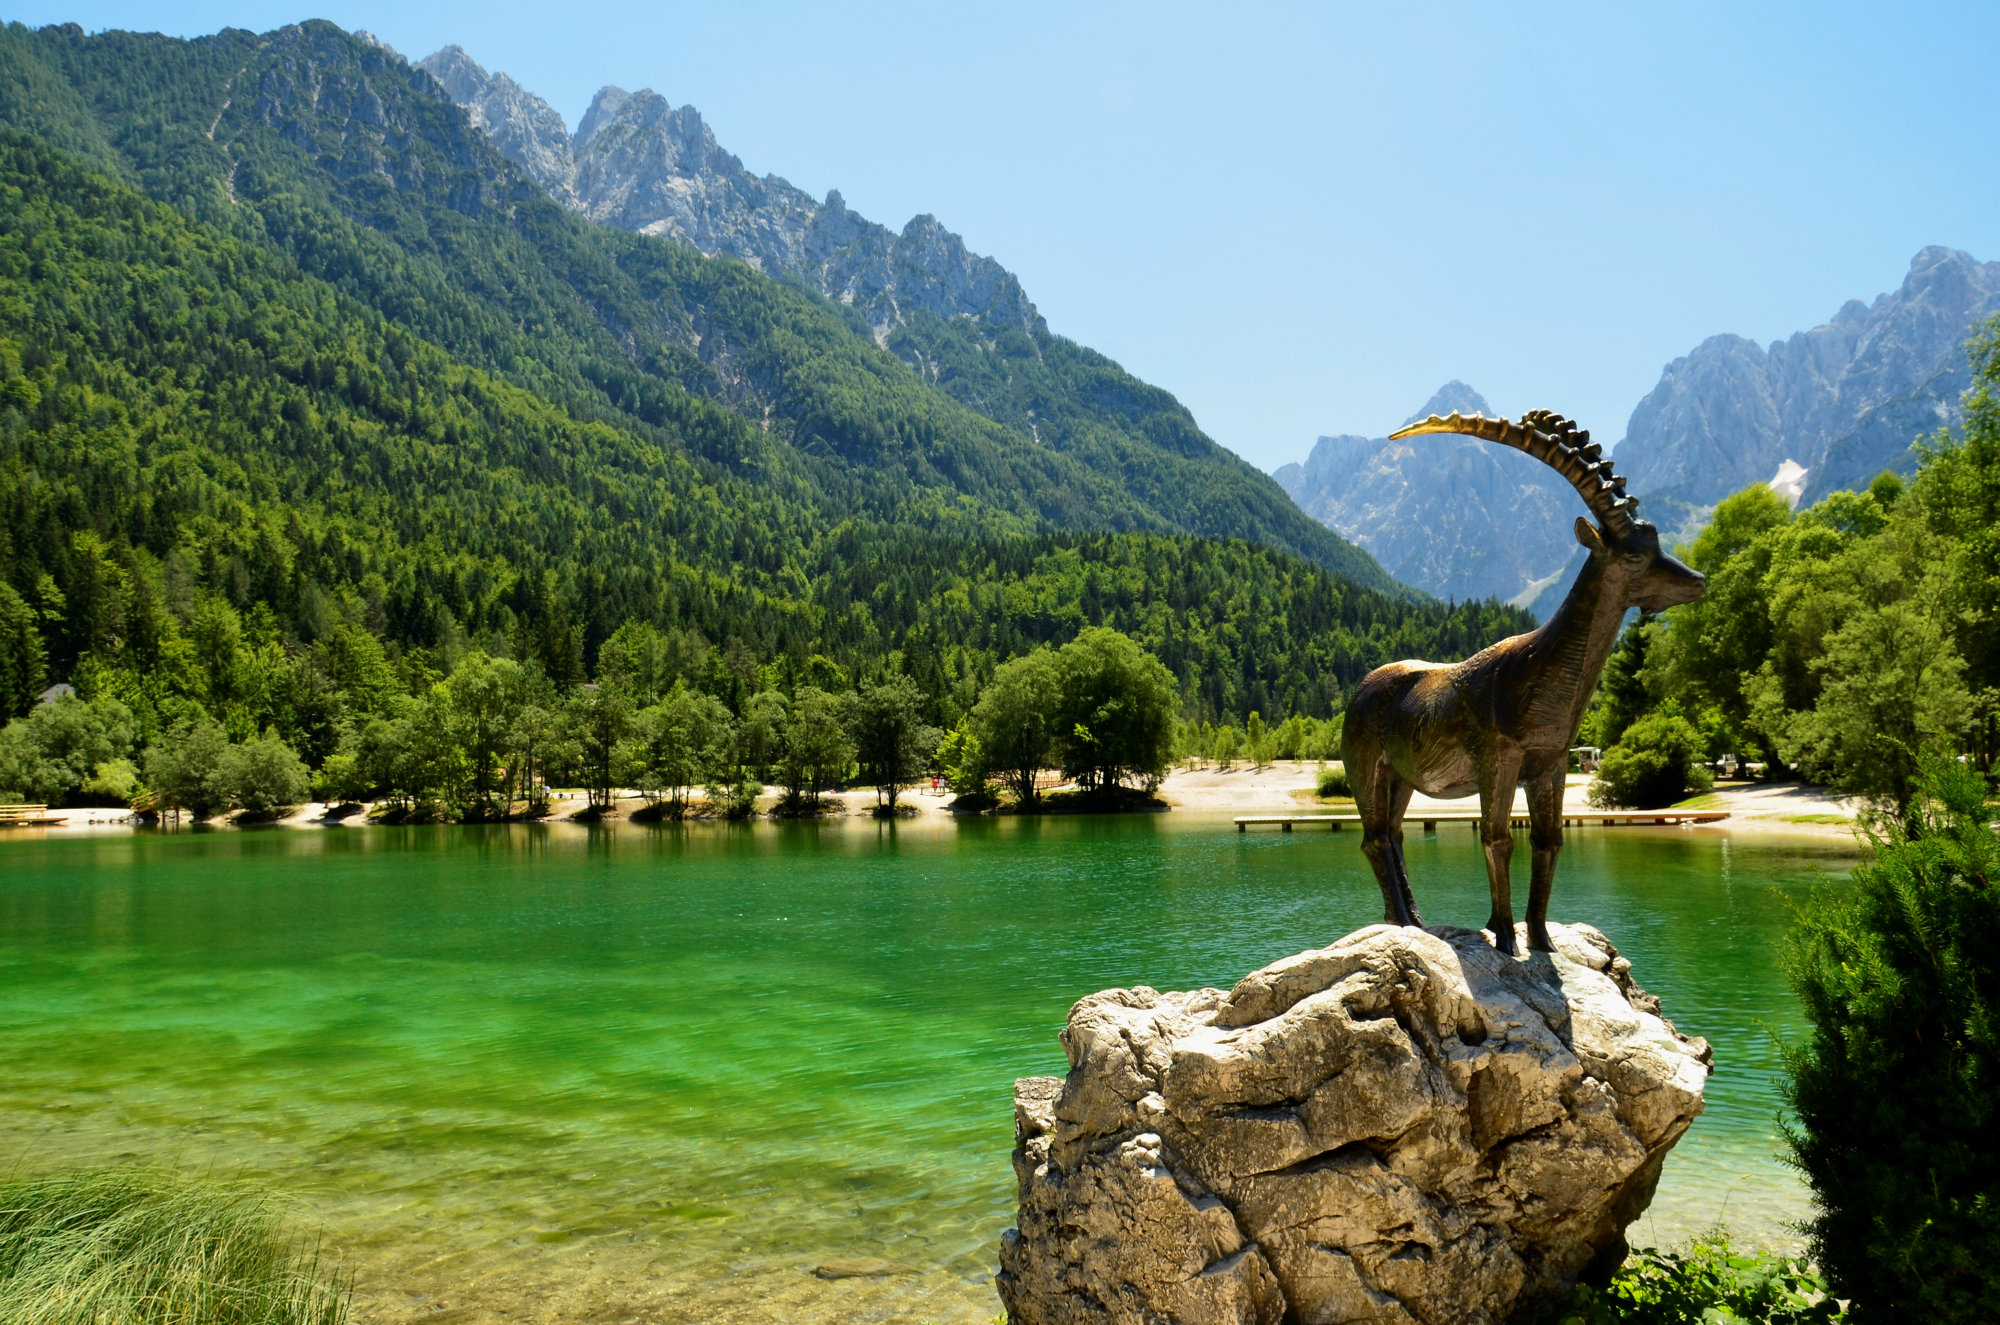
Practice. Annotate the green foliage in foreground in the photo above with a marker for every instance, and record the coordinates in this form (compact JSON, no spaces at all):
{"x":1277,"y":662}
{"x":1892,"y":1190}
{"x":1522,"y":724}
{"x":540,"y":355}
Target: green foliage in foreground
{"x":138,"y":1246}
{"x":1897,"y":1089}
{"x":1710,"y":1284}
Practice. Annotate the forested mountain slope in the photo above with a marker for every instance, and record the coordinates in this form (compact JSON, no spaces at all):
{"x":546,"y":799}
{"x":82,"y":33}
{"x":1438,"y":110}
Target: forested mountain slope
{"x":216,"y":468}
{"x":962,"y":321}
{"x":331,"y":150}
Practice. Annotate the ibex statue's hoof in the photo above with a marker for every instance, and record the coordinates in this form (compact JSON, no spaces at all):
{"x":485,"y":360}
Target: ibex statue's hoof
{"x":1503,"y":938}
{"x":1538,"y":938}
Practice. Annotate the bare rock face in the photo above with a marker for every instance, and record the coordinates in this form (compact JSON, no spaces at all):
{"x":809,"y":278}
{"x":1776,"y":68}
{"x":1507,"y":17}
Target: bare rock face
{"x":1428,"y":508}
{"x":639,"y":163}
{"x":1845,"y":400}
{"x":1406,"y":1126}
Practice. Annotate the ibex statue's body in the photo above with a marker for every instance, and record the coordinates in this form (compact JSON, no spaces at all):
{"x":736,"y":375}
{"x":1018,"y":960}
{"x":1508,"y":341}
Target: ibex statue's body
{"x":1506,"y":716}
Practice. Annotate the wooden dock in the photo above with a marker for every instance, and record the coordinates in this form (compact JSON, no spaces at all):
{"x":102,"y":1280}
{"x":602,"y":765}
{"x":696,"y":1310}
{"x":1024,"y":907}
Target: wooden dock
{"x":1430,"y":821}
{"x":26,"y":816}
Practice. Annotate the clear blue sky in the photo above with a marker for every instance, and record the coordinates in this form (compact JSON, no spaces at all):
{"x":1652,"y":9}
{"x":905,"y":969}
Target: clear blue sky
{"x":1302,"y":219}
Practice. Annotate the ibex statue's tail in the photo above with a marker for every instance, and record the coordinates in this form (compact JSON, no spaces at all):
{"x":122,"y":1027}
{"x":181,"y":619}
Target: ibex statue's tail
{"x":1557,"y":443}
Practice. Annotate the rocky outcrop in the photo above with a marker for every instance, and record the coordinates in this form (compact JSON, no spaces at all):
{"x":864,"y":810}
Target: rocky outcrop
{"x":640,"y":163}
{"x":1403,"y":1127}
{"x":519,"y":123}
{"x":1842,"y":402}
{"x":1845,"y":400}
{"x":1454,"y":516}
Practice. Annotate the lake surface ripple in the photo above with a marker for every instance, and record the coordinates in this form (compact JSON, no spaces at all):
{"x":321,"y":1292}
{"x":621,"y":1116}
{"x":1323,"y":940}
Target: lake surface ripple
{"x":658,"y":1074}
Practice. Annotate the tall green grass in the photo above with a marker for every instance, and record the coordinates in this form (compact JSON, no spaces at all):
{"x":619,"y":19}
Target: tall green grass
{"x":143,"y":1246}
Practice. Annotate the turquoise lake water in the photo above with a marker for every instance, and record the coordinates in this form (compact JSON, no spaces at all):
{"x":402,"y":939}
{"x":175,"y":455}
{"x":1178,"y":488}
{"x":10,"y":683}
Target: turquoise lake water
{"x":638,"y":1073}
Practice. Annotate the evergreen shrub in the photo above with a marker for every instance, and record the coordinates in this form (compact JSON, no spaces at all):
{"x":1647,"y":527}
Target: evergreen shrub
{"x":1333,"y":781}
{"x":1655,"y":763}
{"x":1896,"y":1090}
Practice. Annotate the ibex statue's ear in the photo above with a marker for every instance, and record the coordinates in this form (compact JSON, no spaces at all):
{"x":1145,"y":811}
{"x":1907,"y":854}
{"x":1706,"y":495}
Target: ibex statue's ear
{"x":1586,"y":534}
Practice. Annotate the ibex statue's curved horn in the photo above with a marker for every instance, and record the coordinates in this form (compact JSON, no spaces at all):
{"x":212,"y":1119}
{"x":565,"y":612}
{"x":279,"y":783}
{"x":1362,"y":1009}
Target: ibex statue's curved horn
{"x":1557,"y":443}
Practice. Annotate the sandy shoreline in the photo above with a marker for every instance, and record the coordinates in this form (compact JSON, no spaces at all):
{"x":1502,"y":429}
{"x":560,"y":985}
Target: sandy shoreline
{"x":1285,"y":786}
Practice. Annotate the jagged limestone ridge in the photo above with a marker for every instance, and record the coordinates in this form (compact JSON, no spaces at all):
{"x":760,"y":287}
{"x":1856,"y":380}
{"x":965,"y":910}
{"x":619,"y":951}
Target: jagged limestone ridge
{"x":1844,"y":400}
{"x":639,"y":163}
{"x":1455,"y":516}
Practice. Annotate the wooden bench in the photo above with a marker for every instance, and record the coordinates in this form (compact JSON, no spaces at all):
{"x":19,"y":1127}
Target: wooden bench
{"x":1431,"y":819}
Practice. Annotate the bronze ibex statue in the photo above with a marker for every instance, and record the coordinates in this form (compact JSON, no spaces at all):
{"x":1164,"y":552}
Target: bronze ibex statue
{"x":1506,"y":716}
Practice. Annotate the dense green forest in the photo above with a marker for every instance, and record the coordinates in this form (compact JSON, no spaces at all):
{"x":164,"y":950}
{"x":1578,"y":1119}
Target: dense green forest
{"x":1843,"y":641}
{"x":302,"y":387}
{"x":331,"y":151}
{"x":231,"y":494}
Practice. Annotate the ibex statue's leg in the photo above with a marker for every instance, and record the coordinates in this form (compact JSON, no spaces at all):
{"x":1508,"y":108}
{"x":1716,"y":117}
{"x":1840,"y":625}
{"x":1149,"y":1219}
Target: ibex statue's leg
{"x":1545,"y":818}
{"x":1497,"y":780}
{"x":1401,"y":792}
{"x":1381,"y":796}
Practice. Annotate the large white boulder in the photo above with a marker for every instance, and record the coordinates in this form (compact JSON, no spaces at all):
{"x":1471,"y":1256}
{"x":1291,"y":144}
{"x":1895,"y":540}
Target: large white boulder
{"x":1405,"y":1126}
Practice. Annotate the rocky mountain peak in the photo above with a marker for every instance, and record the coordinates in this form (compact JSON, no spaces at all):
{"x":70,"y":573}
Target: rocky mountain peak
{"x":519,"y":123}
{"x":656,"y":125}
{"x":640,"y":163}
{"x":1843,"y":401}
{"x":604,"y":107}
{"x":1940,"y":255}
{"x":369,"y":38}
{"x":1428,"y":507}
{"x":1824,"y":409}
{"x":1453,"y":395}
{"x":461,"y":76}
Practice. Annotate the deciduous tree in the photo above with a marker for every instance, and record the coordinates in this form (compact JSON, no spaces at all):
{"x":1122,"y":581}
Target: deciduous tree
{"x":596,"y":719}
{"x":1015,"y":720}
{"x":263,"y":776}
{"x":1116,"y":710}
{"x":185,"y":769}
{"x":485,"y":696}
{"x":891,"y":740}
{"x":48,"y":755}
{"x":684,"y":741}
{"x":818,"y":750}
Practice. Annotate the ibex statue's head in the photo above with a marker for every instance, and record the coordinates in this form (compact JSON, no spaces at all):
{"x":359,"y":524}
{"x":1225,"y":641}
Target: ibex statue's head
{"x":1635,"y":571}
